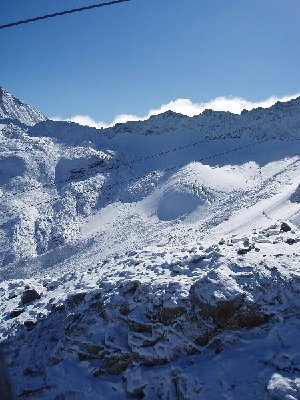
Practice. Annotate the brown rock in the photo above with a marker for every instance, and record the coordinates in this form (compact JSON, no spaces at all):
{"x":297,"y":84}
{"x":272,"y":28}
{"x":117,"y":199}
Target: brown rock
{"x":118,"y":363}
{"x":225,"y":310}
{"x":250,"y":317}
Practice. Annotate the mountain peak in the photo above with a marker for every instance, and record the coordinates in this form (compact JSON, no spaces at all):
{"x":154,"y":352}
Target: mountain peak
{"x":13,"y":108}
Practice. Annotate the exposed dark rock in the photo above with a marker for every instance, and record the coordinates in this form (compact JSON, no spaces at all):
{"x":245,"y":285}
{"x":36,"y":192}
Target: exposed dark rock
{"x":285,"y":227}
{"x":153,"y":361}
{"x":118,"y":363}
{"x":93,"y":348}
{"x":219,"y":310}
{"x":29,"y":324}
{"x":224,"y":311}
{"x":124,"y":308}
{"x":98,"y":372}
{"x":58,"y":308}
{"x":291,"y":241}
{"x":34,"y":392}
{"x":168,"y":314}
{"x":30,"y":295}
{"x":243,"y":251}
{"x":139,"y":326}
{"x":86,"y":356}
{"x":75,"y":299}
{"x":203,"y":339}
{"x":130,"y":287}
{"x":251,"y":317}
{"x":16,"y":312}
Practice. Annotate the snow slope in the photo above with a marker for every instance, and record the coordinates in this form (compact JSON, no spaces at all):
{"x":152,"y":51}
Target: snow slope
{"x":154,"y":259}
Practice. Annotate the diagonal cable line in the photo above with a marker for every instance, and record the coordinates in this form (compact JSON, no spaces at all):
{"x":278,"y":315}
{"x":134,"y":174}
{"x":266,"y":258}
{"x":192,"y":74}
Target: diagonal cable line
{"x":61,"y":13}
{"x":156,"y":173}
{"x":171,"y":168}
{"x":99,"y":168}
{"x":95,"y":168}
{"x":118,"y":165}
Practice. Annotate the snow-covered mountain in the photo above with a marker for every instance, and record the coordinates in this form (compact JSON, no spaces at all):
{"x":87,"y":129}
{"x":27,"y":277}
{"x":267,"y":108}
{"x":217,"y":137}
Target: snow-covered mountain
{"x":12,"y":108}
{"x":154,"y":259}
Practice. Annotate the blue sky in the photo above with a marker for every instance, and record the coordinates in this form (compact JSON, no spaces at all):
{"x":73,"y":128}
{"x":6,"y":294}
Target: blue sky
{"x":136,"y":56}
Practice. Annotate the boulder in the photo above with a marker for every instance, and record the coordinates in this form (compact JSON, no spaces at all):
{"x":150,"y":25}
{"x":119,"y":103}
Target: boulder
{"x":30,"y":295}
{"x":217,"y":295}
{"x":16,"y":312}
{"x":285,"y":227}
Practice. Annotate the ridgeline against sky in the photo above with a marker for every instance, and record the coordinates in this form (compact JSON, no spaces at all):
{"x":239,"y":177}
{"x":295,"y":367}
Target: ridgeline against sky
{"x":142,"y":54}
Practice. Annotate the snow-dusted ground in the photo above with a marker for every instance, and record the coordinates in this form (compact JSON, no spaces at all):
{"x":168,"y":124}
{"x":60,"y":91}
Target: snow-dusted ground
{"x":155,"y":259}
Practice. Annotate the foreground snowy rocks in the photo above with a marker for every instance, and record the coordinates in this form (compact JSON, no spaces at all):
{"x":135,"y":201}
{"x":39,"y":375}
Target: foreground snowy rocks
{"x":157,"y":338}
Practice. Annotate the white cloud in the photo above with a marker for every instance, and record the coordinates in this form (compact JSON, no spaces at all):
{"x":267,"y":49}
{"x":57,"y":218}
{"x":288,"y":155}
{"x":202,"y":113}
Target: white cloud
{"x":183,"y":106}
{"x":85,"y":120}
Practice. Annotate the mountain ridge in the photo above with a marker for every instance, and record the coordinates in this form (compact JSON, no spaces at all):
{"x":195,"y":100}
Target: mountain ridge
{"x":32,"y":116}
{"x":14,"y":109}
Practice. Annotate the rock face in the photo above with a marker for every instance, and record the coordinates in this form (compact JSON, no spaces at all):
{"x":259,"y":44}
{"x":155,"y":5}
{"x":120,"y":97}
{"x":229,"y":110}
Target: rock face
{"x":14,"y":109}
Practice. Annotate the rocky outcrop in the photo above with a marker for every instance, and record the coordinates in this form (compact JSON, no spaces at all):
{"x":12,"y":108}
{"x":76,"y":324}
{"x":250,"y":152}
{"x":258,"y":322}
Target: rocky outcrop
{"x":91,"y":328}
{"x":137,"y":337}
{"x":30,"y":295}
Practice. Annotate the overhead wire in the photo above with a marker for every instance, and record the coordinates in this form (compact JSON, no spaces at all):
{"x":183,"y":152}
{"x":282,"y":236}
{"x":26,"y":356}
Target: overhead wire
{"x":61,"y":13}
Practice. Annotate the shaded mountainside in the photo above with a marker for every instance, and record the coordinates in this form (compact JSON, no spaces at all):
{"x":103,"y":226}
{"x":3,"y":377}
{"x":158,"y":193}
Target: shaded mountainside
{"x":155,"y":259}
